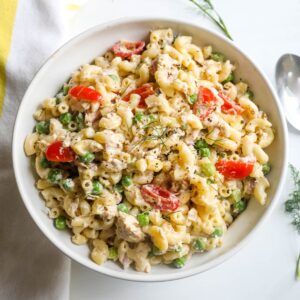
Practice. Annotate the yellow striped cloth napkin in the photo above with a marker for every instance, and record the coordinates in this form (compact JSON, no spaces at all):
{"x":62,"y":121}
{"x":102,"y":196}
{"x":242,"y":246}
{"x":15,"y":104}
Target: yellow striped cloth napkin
{"x":31,"y":268}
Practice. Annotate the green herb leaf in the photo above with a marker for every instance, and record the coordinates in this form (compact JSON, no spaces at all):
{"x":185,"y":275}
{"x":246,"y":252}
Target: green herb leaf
{"x":298,"y":268}
{"x":154,"y":132}
{"x":292,"y":205}
{"x":208,"y":9}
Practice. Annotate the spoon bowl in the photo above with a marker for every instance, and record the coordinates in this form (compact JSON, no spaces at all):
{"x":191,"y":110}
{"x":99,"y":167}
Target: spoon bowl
{"x":288,"y":87}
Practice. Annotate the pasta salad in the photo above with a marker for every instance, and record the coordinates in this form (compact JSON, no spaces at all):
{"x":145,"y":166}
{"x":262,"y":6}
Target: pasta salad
{"x":150,"y":152}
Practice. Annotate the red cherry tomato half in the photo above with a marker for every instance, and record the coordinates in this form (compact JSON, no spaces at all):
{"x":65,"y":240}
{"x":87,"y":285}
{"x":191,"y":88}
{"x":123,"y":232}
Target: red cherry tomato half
{"x":84,"y":93}
{"x":58,"y":153}
{"x":206,"y":103}
{"x":235,"y":169}
{"x":160,"y":198}
{"x":230,"y":107}
{"x":144,"y":91}
{"x":126,"y":49}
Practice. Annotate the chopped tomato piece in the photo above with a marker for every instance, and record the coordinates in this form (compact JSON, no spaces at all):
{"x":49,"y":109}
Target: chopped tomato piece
{"x":160,"y":198}
{"x":235,"y":169}
{"x":206,"y":95}
{"x":144,"y":91}
{"x":126,"y":49}
{"x":206,"y":103}
{"x":58,"y":153}
{"x":230,"y":107}
{"x":84,"y":93}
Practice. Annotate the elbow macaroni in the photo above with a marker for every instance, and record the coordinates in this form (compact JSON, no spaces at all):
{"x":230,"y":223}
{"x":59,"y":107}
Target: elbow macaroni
{"x":118,"y":144}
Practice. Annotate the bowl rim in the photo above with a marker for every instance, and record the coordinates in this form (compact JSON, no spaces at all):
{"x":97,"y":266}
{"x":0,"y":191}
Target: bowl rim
{"x":149,"y":277}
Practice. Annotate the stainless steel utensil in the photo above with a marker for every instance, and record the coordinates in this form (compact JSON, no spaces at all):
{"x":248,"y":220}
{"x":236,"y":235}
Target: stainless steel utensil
{"x":288,"y":87}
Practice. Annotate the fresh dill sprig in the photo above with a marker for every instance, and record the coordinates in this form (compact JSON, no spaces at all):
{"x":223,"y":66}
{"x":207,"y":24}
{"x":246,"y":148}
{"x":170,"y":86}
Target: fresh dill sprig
{"x":298,"y":268}
{"x":212,"y":140}
{"x":158,"y":133}
{"x":292,"y":205}
{"x":208,"y":9}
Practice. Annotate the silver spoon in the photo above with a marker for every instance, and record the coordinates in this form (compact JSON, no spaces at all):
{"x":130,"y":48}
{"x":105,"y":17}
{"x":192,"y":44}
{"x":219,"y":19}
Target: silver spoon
{"x":288,"y":87}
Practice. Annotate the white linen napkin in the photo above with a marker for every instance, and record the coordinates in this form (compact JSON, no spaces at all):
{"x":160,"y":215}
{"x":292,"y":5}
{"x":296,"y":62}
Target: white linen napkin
{"x":30,"y":266}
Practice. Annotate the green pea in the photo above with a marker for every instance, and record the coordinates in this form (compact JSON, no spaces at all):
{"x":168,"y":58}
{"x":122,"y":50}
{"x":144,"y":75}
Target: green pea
{"x":65,"y":118}
{"x":60,"y":223}
{"x":42,"y":127}
{"x":45,"y":163}
{"x":123,"y":208}
{"x":266,"y":168}
{"x":114,"y":77}
{"x":218,"y":232}
{"x":199,"y":244}
{"x":217,"y":56}
{"x":239,"y":206}
{"x":97,"y":188}
{"x":126,"y":181}
{"x":205,"y":152}
{"x":192,"y":99}
{"x":113,"y":253}
{"x":179,"y":262}
{"x":55,"y":175}
{"x":199,"y":144}
{"x":143,"y":218}
{"x":66,"y":90}
{"x":236,"y":195}
{"x":208,"y":169}
{"x":139,"y":116}
{"x":230,"y":78}
{"x":87,"y":157}
{"x":249,"y":94}
{"x":68,"y":184}
{"x":119,"y":188}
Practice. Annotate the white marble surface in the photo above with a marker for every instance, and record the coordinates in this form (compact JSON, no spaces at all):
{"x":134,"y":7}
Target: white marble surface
{"x":265,"y":268}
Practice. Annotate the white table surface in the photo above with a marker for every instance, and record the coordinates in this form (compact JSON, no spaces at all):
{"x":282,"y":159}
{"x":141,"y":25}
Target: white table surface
{"x":265,"y":268}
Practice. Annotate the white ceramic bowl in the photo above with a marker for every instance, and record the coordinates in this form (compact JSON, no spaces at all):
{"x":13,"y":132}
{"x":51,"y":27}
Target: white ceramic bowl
{"x":83,"y":49}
